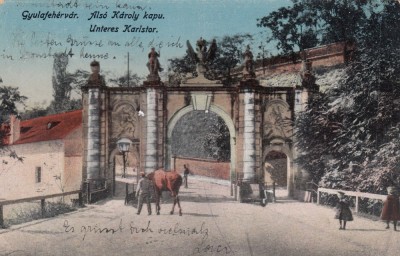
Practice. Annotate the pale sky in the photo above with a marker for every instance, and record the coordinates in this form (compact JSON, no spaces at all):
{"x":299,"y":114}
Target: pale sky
{"x":27,"y":45}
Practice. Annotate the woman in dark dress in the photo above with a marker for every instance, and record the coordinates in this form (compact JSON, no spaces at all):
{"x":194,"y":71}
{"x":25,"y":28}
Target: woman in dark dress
{"x":391,"y":208}
{"x":343,"y":212}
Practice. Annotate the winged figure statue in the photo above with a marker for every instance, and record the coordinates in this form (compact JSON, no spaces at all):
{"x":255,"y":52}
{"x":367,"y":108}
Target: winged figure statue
{"x":202,"y":56}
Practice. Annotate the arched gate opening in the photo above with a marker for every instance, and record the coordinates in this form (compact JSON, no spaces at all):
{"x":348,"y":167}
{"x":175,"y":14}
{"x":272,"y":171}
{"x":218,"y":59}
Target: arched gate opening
{"x":214,"y":113}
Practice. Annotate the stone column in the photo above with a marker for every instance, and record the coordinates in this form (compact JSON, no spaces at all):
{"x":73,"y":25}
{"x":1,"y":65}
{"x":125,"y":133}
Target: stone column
{"x":93,"y":129}
{"x":249,"y":137}
{"x":93,"y":135}
{"x":151,"y":131}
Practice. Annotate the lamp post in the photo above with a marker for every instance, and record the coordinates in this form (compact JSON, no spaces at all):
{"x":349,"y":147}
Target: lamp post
{"x":123,"y":147}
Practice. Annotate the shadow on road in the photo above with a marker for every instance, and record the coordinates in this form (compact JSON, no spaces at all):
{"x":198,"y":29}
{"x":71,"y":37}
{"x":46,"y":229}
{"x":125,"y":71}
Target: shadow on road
{"x":367,"y":229}
{"x":199,"y":214}
{"x":286,"y":201}
{"x":204,"y":199}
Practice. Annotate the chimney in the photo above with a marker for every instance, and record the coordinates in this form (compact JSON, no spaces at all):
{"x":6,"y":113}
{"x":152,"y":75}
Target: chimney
{"x":15,"y":129}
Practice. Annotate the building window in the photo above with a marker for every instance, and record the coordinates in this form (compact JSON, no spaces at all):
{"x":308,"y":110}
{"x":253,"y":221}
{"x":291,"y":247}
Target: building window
{"x":50,"y":125}
{"x":38,"y":174}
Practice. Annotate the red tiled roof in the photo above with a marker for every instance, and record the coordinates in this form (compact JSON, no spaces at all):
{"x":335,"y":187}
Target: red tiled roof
{"x":52,"y":127}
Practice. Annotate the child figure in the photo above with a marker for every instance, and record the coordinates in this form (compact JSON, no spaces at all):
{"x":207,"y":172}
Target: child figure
{"x":343,"y":212}
{"x":391,"y":208}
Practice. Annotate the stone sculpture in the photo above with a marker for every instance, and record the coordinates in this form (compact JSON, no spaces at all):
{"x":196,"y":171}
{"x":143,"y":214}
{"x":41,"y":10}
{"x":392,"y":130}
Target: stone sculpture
{"x":202,"y":56}
{"x":95,"y":79}
{"x":153,"y":65}
{"x":248,"y":64}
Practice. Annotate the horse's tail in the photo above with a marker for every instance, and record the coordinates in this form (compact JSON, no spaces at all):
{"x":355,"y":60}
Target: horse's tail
{"x":150,"y":176}
{"x":179,"y":182}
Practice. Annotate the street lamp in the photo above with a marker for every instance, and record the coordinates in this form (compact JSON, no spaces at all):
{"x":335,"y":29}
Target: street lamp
{"x":123,"y":147}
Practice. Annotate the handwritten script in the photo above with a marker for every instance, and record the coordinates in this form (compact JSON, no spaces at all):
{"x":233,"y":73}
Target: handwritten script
{"x":150,"y":230}
{"x":176,"y":230}
{"x":139,"y":25}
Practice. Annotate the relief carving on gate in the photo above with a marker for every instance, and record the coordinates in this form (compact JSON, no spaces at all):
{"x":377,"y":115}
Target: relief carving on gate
{"x":277,"y":120}
{"x":124,"y":122}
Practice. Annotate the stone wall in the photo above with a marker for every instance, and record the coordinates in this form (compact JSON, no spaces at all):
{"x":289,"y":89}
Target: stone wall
{"x":208,"y":168}
{"x":324,"y":56}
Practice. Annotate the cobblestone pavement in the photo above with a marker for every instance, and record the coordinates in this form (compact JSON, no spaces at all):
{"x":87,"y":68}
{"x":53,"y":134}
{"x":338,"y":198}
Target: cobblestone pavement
{"x":212,"y":224}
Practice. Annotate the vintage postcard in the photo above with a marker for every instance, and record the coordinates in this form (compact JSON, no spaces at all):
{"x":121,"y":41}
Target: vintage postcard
{"x":199,"y":127}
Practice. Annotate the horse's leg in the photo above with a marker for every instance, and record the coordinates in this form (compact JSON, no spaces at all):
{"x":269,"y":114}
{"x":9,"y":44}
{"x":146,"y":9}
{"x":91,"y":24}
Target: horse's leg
{"x":158,"y":208}
{"x":173,"y":206}
{"x":179,"y":205}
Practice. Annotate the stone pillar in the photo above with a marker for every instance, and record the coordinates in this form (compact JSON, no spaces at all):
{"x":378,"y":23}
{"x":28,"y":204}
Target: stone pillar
{"x":249,"y":137}
{"x":93,"y":132}
{"x":93,"y":135}
{"x":151,"y":131}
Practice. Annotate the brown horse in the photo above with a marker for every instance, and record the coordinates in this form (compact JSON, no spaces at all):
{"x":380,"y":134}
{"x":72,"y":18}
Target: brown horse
{"x":166,"y":181}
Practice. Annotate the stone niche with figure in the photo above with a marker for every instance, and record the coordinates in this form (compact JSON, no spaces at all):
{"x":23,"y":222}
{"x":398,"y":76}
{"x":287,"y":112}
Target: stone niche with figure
{"x":124,"y":116}
{"x":124,"y":122}
{"x":277,"y":121}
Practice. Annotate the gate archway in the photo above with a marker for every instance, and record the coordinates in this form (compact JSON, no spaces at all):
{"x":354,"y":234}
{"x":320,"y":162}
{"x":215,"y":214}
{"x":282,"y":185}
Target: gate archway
{"x":214,"y":109}
{"x":279,"y":157}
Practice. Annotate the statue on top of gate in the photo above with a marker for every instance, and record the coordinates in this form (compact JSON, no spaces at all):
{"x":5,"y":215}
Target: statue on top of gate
{"x":154,"y":65}
{"x":95,"y":79}
{"x":248,"y":64}
{"x":202,"y":56}
{"x":307,"y":75}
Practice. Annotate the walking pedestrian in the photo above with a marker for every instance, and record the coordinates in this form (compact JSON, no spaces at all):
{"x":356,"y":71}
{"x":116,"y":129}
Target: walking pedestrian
{"x":143,"y":192}
{"x":343,"y":212}
{"x":391,"y":209}
{"x":185,"y":175}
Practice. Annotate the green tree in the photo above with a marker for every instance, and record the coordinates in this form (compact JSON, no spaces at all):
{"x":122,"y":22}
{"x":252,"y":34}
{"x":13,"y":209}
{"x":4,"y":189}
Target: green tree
{"x":292,"y":27}
{"x":307,"y":23}
{"x":315,"y":128}
{"x":201,"y":135}
{"x":229,"y":56}
{"x":122,"y":81}
{"x":62,"y":81}
{"x":10,"y":100}
{"x":179,"y":69}
{"x":65,"y":83}
{"x":216,"y":142}
{"x":37,"y":110}
{"x":358,"y":150}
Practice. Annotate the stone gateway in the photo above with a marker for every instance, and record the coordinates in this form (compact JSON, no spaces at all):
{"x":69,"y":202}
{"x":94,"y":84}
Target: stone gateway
{"x":259,"y":119}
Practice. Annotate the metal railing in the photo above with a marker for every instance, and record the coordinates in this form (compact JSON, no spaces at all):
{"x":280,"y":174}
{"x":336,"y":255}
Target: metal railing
{"x":312,"y":189}
{"x":36,"y":198}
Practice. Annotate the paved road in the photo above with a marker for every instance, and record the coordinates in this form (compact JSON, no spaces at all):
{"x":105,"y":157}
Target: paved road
{"x":212,"y":224}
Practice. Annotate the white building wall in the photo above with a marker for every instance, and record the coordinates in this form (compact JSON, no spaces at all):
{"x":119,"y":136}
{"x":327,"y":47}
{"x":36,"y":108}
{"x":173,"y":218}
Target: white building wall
{"x":18,"y":180}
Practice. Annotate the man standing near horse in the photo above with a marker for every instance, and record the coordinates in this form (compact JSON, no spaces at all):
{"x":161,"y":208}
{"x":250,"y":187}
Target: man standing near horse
{"x":143,"y":192}
{"x":186,"y":173}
